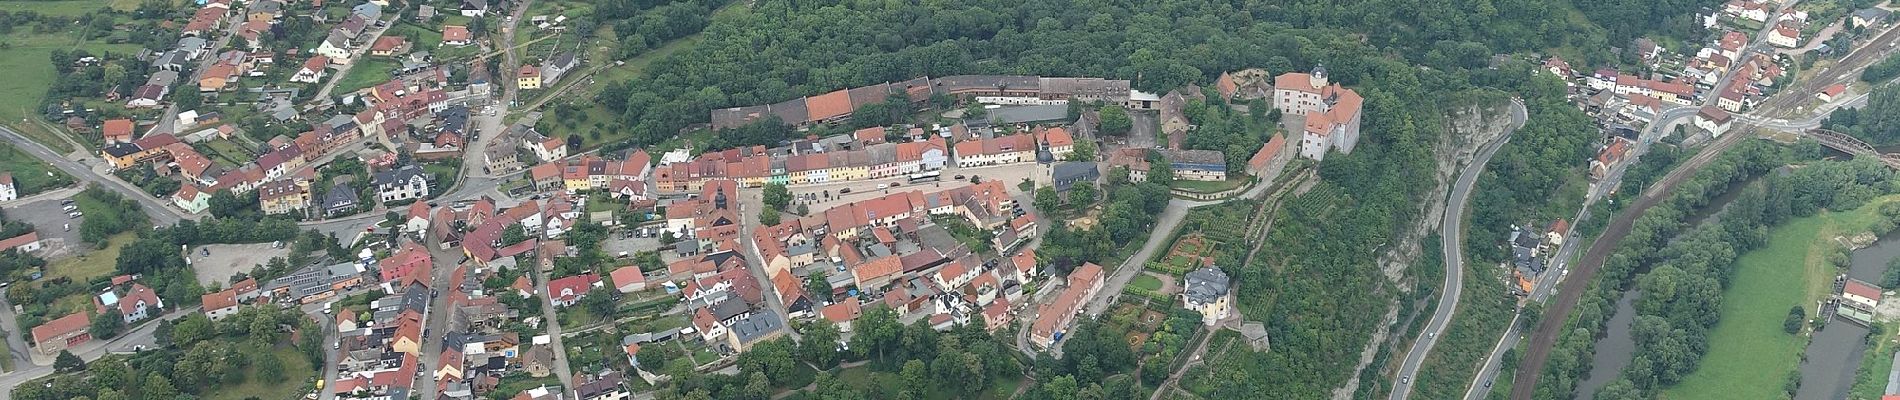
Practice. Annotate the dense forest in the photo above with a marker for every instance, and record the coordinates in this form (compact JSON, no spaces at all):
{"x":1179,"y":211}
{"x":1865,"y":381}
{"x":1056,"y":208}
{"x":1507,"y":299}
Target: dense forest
{"x":787,"y":49}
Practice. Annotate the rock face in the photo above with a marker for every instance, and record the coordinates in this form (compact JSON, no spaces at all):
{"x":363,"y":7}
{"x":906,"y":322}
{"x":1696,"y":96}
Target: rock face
{"x":1467,"y":129}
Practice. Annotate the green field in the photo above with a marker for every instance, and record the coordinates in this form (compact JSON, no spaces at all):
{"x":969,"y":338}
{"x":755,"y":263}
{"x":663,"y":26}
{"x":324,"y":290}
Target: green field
{"x":298,"y":374}
{"x":29,"y":74}
{"x":67,"y":8}
{"x":30,"y":174}
{"x":1748,"y":351}
{"x":367,"y":72}
{"x":91,"y":264}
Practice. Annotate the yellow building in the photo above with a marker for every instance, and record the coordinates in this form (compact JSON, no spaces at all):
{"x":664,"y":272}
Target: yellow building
{"x":529,"y":78}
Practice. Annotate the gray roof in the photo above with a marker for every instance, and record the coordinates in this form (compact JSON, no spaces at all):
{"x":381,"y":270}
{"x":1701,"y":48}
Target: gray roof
{"x":397,"y":176}
{"x":978,"y":82}
{"x":758,"y":325}
{"x":312,"y":279}
{"x":1872,"y":14}
{"x":163,"y":78}
{"x":728,"y":309}
{"x":341,"y":195}
{"x":1195,"y":157}
{"x":1035,"y":113}
{"x":1205,"y":285}
{"x":1068,"y":173}
{"x":368,"y":10}
{"x":191,"y":43}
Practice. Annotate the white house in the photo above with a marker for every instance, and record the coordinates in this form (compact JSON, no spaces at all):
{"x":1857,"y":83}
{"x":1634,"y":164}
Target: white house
{"x":1784,"y":36}
{"x":408,"y":182}
{"x":8,"y":189}
{"x":312,"y":70}
{"x":1714,"y":120}
{"x":336,"y":47}
{"x":1330,"y":110}
{"x":1860,"y":295}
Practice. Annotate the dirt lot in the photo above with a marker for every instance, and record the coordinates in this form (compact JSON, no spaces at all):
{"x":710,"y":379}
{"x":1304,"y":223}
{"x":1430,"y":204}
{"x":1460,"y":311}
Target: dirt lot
{"x":229,"y":259}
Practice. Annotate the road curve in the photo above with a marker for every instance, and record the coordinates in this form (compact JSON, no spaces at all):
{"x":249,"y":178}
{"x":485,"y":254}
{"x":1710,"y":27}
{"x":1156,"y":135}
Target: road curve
{"x":1450,"y":232}
{"x":153,"y":206}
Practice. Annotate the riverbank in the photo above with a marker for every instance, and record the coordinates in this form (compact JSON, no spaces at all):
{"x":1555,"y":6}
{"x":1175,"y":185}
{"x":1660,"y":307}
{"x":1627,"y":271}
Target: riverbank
{"x":1749,"y":355}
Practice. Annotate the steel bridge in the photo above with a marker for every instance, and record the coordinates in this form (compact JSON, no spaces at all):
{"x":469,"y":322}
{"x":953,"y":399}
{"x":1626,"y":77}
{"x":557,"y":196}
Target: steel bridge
{"x":1850,"y":145}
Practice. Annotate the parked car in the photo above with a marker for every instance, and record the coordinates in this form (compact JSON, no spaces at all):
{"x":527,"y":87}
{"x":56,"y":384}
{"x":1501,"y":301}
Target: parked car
{"x":75,"y":214}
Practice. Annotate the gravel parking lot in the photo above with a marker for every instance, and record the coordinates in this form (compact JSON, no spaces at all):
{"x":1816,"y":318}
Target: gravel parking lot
{"x":49,"y":218}
{"x":229,"y":259}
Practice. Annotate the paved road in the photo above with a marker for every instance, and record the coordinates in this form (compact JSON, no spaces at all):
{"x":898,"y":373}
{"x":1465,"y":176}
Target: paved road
{"x":161,"y":214}
{"x":26,"y":370}
{"x":1451,"y":227}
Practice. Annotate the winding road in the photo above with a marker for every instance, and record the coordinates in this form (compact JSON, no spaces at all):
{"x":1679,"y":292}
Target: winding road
{"x":1450,"y":230}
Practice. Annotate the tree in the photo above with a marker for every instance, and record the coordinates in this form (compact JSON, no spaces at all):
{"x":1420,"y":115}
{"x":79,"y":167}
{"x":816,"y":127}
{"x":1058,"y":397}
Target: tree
{"x":1160,"y":172}
{"x":1081,"y":195}
{"x":1047,"y":200}
{"x":158,"y":388}
{"x":916,"y":379}
{"x":819,"y":345}
{"x":774,"y":358}
{"x":573,"y":143}
{"x":67,"y":362}
{"x":107,"y":324}
{"x":769,"y":216}
{"x":818,"y":285}
{"x":1115,"y":121}
{"x":1084,"y":151}
{"x":187,"y":98}
{"x":513,"y":234}
{"x":777,"y":196}
{"x":268,"y":367}
{"x":1796,"y":316}
{"x":191,"y":329}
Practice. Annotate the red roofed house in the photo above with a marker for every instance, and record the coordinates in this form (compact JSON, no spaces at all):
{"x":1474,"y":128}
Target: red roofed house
{"x":63,"y":333}
{"x":312,"y":70}
{"x":388,"y":46}
{"x":25,"y":243}
{"x":1860,"y":295}
{"x":828,"y":107}
{"x":455,"y":35}
{"x":566,"y":292}
{"x":1784,"y":36}
{"x":117,"y":131}
{"x":408,"y":258}
{"x":132,"y":302}
{"x":629,"y":279}
{"x":843,"y":312}
{"x":1054,"y":318}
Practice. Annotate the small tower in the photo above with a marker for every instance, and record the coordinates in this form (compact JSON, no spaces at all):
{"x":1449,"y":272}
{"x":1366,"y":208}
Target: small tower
{"x":1318,"y":77}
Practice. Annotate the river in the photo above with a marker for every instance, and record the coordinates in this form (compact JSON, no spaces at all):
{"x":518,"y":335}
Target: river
{"x":1615,"y":350}
{"x":1835,"y":353}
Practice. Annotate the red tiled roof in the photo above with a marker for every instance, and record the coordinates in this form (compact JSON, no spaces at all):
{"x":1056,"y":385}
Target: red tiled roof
{"x":18,"y":241}
{"x":628,"y":275}
{"x":828,"y":105}
{"x":60,"y":327}
{"x":843,"y":311}
{"x":1862,"y":289}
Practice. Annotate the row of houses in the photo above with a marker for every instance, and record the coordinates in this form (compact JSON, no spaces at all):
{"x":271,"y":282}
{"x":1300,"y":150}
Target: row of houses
{"x":996,"y":89}
{"x":755,"y":166}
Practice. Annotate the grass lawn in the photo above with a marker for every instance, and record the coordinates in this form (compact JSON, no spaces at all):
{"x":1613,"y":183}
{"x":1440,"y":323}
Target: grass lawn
{"x":1146,"y":282}
{"x":228,"y":153}
{"x":29,"y":74}
{"x":32,"y":175}
{"x":297,"y":373}
{"x":633,"y":67}
{"x":1748,"y":350}
{"x":91,"y":264}
{"x":1870,"y":382}
{"x":367,"y":72}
